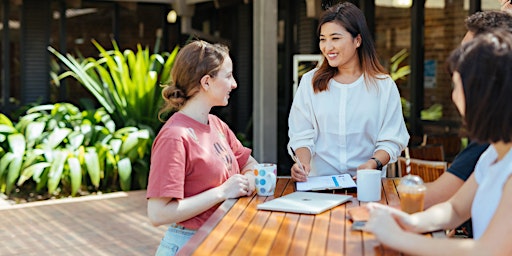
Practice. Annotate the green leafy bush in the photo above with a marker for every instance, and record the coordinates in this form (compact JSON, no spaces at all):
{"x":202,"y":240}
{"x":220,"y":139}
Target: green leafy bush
{"x":61,"y":148}
{"x":125,"y":83}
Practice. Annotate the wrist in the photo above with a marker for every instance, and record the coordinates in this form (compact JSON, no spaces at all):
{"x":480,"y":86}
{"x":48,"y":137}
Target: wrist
{"x":220,"y":193}
{"x":379,"y":164}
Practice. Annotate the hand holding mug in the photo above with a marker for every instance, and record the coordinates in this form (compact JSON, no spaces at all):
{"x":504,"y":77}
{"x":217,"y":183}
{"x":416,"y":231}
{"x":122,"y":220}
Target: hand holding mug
{"x":236,"y":186}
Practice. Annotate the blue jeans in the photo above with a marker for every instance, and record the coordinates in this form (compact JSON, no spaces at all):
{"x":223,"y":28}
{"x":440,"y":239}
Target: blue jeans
{"x":175,"y":237}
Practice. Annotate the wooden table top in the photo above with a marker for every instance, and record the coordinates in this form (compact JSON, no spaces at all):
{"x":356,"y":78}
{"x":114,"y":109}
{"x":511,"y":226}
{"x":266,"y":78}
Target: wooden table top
{"x":238,"y":228}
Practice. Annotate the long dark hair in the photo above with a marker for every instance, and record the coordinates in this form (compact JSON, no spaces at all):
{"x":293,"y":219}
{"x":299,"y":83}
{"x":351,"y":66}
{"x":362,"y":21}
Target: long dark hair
{"x":484,"y":67}
{"x":353,"y":20}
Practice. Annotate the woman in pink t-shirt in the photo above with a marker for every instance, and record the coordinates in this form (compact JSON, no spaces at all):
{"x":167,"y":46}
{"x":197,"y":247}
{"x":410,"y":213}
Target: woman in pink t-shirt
{"x":196,"y":160}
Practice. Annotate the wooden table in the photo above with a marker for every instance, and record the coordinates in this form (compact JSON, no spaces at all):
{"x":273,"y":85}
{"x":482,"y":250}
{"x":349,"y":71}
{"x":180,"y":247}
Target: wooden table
{"x":238,"y":228}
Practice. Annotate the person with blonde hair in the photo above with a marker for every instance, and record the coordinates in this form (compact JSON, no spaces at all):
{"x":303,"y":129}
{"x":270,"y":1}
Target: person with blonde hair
{"x":196,"y":160}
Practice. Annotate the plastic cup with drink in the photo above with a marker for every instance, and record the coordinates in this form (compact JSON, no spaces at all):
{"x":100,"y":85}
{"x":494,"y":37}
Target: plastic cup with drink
{"x":412,"y":193}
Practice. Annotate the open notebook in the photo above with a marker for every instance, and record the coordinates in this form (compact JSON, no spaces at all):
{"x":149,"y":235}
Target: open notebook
{"x":305,"y":202}
{"x":337,"y":181}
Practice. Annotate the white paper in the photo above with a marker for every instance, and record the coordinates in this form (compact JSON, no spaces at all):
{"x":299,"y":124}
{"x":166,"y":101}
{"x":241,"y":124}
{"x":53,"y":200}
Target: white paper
{"x":327,"y":182}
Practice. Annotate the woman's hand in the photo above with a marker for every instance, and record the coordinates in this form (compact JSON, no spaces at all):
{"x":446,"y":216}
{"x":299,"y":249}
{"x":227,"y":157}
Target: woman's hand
{"x":382,"y":223}
{"x":298,"y":174}
{"x":236,"y":186}
{"x":403,"y":220}
{"x":252,"y":180}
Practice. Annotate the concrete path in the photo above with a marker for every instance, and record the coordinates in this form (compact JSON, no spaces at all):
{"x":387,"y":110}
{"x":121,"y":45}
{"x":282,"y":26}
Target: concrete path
{"x":108,"y":224}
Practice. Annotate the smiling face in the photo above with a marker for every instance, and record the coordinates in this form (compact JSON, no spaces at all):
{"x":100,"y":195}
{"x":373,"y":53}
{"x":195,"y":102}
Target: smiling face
{"x":458,"y":93}
{"x":338,"y":46}
{"x":221,"y":85}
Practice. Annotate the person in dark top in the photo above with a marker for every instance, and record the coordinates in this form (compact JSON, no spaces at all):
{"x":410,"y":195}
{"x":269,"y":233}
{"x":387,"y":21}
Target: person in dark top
{"x":464,"y":163}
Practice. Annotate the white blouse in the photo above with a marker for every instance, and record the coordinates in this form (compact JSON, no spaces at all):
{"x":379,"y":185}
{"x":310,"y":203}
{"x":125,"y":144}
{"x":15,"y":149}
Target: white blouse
{"x":491,"y":177}
{"x":344,"y":125}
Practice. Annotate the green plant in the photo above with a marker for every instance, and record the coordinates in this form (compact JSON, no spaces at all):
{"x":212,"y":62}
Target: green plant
{"x":125,"y":83}
{"x":59,"y":148}
{"x":396,"y":70}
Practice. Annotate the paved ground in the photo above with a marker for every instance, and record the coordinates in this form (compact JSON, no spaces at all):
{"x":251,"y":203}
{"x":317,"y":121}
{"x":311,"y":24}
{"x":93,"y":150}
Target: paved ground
{"x":109,"y":224}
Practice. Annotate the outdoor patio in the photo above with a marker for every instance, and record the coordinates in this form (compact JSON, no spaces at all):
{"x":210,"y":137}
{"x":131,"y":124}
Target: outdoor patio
{"x":108,"y":224}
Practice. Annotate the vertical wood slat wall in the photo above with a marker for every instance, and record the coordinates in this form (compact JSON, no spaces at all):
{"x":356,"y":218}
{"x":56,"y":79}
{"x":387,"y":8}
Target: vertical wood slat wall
{"x":35,"y":37}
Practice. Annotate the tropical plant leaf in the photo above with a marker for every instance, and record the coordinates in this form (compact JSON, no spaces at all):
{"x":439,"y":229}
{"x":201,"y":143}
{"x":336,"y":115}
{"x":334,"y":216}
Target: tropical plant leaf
{"x":166,"y":71}
{"x":56,"y":169}
{"x":93,"y":166}
{"x":5,"y":120}
{"x":75,"y":174}
{"x":125,"y":170}
{"x":28,"y":172}
{"x":13,"y":172}
{"x":25,"y":120}
{"x":76,"y":139}
{"x":4,"y":128}
{"x":115,"y":145}
{"x":80,"y":72}
{"x":40,"y":108}
{"x":125,"y":131}
{"x":57,"y":136}
{"x":5,"y":161}
{"x":33,"y":132}
{"x":32,"y":156}
{"x":17,"y":144}
{"x":130,"y":143}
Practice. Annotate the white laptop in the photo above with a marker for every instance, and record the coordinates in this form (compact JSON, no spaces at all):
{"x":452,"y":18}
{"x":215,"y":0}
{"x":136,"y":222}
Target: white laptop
{"x":305,"y":202}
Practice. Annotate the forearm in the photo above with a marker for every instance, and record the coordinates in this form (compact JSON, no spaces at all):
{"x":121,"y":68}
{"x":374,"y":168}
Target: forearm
{"x":304,"y":155}
{"x":248,"y":167}
{"x":442,"y":189}
{"x":383,"y":156}
{"x":438,"y":217}
{"x":419,"y":244}
{"x":165,"y":211}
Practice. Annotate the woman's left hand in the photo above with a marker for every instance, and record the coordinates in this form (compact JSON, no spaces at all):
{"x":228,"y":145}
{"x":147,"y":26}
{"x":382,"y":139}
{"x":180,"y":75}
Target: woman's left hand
{"x":382,"y":224}
{"x":252,"y":186}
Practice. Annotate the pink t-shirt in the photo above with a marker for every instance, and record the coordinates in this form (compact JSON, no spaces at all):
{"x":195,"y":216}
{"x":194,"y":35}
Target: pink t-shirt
{"x":189,"y":157}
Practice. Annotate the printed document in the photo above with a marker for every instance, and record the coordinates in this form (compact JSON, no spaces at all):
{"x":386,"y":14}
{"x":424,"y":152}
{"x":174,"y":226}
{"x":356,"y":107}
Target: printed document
{"x":337,"y":181}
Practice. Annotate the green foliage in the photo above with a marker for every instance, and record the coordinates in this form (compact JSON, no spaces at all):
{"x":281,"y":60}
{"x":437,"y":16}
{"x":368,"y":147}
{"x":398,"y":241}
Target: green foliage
{"x":433,"y":113}
{"x":397,"y":72}
{"x":61,"y":148}
{"x":125,"y":83}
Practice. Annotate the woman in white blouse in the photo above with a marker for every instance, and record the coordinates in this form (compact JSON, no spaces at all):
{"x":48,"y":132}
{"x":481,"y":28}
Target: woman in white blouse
{"x":346,"y":114}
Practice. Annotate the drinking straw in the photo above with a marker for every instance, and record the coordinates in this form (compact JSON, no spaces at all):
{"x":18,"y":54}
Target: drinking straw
{"x":407,"y":161}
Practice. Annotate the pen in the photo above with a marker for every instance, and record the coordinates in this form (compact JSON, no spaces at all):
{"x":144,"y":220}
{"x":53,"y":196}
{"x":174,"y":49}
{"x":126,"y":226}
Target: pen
{"x":298,"y":161}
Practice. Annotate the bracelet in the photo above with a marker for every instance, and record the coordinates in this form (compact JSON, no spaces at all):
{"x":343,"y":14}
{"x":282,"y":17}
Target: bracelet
{"x":379,"y":163}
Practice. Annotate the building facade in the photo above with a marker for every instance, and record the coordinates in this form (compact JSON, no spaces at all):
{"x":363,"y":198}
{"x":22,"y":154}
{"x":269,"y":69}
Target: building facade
{"x":263,"y":36}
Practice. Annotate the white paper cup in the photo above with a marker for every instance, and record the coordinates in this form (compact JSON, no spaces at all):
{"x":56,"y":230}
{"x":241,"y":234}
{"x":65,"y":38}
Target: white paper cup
{"x":369,"y":185}
{"x":266,"y":176}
